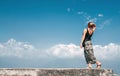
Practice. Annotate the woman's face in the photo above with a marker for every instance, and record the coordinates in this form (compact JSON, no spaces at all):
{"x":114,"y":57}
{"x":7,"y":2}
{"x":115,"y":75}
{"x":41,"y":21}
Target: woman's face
{"x":91,"y":25}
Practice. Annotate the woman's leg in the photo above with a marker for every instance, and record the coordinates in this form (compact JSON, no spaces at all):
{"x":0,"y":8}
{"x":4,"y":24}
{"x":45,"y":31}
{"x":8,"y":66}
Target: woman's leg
{"x":98,"y":64}
{"x":89,"y":66}
{"x":89,"y":55}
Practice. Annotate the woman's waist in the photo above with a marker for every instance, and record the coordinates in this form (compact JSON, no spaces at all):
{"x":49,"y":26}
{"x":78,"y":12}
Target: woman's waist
{"x":88,"y":42}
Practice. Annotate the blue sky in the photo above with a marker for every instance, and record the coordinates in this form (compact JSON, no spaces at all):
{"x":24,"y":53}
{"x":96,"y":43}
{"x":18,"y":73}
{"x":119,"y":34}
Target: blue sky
{"x":42,"y":26}
{"x":46,"y":22}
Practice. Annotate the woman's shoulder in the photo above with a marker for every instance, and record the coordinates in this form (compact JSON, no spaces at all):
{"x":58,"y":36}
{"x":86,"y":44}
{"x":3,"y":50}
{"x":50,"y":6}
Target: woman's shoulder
{"x":85,"y":29}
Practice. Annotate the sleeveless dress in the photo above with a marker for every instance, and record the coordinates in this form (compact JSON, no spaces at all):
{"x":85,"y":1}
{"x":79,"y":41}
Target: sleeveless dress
{"x":88,"y":49}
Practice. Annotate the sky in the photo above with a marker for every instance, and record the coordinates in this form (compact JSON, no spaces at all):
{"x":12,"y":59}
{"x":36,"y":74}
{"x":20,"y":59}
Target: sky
{"x":46,"y":33}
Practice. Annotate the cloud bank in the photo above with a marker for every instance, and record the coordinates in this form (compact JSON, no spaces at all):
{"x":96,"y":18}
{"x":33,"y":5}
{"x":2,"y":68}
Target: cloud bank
{"x":17,"y":49}
{"x":25,"y":50}
{"x":65,"y":51}
{"x":110,"y":51}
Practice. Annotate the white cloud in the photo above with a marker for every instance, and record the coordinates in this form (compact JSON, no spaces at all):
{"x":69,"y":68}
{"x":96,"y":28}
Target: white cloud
{"x":100,"y":15}
{"x":87,"y":17}
{"x":80,"y":12}
{"x":110,"y":51}
{"x":25,"y":50}
{"x":17,"y":49}
{"x":97,"y":19}
{"x":68,"y":9}
{"x":104,"y":23}
{"x":65,"y":51}
{"x":91,"y":20}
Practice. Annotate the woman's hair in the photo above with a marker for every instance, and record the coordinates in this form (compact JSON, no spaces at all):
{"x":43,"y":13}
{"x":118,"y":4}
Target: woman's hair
{"x":91,"y":25}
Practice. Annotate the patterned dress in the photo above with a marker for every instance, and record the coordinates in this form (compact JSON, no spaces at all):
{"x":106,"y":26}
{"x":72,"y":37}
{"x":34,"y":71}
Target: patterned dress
{"x":88,"y":53}
{"x":88,"y":49}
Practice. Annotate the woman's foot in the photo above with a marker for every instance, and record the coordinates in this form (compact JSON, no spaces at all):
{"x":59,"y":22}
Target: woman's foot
{"x":89,"y":66}
{"x":98,"y":65}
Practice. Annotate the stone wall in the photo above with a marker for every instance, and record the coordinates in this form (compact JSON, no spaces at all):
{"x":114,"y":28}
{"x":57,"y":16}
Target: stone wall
{"x":55,"y":72}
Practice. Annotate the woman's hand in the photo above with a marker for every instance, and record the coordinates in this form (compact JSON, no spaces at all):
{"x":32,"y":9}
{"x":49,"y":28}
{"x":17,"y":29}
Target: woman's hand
{"x":81,"y":46}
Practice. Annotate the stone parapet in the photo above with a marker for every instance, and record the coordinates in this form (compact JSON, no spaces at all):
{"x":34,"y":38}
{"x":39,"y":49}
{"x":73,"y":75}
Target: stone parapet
{"x":55,"y":72}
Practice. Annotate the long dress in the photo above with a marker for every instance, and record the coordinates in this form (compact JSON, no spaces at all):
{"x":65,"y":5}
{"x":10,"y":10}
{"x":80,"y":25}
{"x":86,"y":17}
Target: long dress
{"x":88,"y":49}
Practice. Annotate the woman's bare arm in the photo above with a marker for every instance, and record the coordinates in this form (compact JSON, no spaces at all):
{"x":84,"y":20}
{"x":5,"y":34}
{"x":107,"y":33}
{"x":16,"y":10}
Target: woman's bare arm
{"x":94,"y":28}
{"x":83,"y":37}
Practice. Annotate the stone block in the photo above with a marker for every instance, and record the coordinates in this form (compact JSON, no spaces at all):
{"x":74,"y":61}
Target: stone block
{"x":55,"y":72}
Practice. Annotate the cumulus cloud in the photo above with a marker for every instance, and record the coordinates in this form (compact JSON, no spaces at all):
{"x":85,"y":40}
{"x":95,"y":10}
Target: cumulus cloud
{"x":26,"y":50}
{"x":110,"y":51}
{"x":18,"y":49}
{"x":65,"y":51}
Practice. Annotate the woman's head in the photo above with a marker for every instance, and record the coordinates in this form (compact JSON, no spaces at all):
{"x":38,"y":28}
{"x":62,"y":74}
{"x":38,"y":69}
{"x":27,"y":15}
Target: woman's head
{"x":91,"y":25}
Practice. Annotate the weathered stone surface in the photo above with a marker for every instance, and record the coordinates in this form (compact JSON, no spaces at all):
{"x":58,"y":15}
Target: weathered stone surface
{"x":18,"y":72}
{"x":56,"y":72}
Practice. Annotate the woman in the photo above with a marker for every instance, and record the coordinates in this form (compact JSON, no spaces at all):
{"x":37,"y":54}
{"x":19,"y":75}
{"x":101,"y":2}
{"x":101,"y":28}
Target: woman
{"x":87,"y":44}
